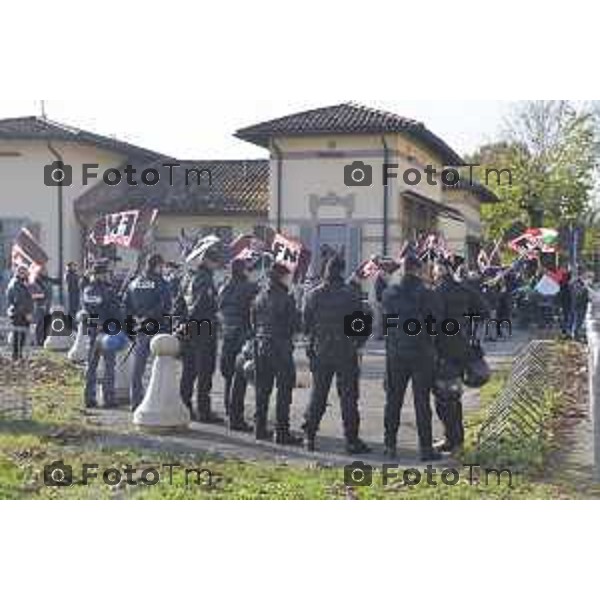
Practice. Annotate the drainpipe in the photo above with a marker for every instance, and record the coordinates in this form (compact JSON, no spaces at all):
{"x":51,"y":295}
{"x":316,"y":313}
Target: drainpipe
{"x":279,"y":156}
{"x":386,"y":152}
{"x":59,"y":192}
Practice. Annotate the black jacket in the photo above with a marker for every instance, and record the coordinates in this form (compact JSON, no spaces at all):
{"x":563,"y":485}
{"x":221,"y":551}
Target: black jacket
{"x":19,"y":301}
{"x":410,"y":299}
{"x":274,"y":315}
{"x":148,"y":297}
{"x":457,"y":299}
{"x":323,"y":320}
{"x":100,"y":298}
{"x":197,"y":297}
{"x":234,"y":301}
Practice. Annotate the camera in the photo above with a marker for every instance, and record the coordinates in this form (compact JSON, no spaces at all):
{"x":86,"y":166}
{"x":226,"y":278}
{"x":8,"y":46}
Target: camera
{"x":58,"y":324}
{"x":358,"y":474}
{"x":57,"y":474}
{"x":57,"y":173}
{"x":358,"y":324}
{"x":358,"y":174}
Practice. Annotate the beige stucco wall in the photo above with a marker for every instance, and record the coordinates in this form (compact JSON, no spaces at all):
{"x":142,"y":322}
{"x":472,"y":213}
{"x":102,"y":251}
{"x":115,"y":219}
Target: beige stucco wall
{"x":312,"y":173}
{"x":23,"y":193}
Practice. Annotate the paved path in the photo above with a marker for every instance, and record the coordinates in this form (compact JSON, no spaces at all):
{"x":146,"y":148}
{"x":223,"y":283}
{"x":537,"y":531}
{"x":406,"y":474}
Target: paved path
{"x":216,"y":440}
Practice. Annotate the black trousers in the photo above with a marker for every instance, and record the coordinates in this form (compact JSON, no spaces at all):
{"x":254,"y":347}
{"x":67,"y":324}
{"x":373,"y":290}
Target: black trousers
{"x":274,"y":367}
{"x":400,"y":369}
{"x":233,"y":340}
{"x":346,"y":373}
{"x":19,"y":337}
{"x":450,"y":412}
{"x":199,"y":357}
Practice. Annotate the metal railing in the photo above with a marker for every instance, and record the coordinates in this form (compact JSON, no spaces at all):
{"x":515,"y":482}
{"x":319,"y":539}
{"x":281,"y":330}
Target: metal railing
{"x":16,"y":377}
{"x":520,"y":411}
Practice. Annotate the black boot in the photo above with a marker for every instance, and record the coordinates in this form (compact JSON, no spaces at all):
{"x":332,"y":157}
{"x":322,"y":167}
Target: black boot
{"x":429,"y":454}
{"x":240,"y":426}
{"x":357,"y":446}
{"x":390,"y":451}
{"x":283,"y":437}
{"x":227,"y":396}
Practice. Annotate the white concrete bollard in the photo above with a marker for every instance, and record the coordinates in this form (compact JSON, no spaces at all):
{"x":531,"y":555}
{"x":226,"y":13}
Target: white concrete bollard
{"x":79,"y":350}
{"x":57,"y":341}
{"x":162,"y":407}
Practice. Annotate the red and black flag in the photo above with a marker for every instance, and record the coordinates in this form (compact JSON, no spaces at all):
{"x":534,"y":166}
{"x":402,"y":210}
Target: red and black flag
{"x":27,"y":252}
{"x":128,"y":229}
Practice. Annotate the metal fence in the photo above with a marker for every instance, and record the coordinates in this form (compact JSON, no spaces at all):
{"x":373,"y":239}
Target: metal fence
{"x":520,"y":411}
{"x":16,"y":376}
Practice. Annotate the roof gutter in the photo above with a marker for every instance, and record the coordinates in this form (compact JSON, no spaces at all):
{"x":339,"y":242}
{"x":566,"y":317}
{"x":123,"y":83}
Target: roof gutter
{"x":386,"y":152}
{"x":60,"y":206}
{"x":279,"y":156}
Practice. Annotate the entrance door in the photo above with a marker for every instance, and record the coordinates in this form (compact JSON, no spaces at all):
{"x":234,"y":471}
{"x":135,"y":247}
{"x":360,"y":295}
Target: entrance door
{"x":332,"y":238}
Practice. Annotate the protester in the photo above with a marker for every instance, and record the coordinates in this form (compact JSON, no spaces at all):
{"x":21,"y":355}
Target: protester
{"x":100,"y":299}
{"x":197,"y":303}
{"x":42,"y":300}
{"x":147,"y":297}
{"x":333,"y":354}
{"x":456,"y":300}
{"x":72,"y":283}
{"x":581,"y":300}
{"x":19,"y":309}
{"x":409,"y":357}
{"x":235,"y":299}
{"x":276,"y":320}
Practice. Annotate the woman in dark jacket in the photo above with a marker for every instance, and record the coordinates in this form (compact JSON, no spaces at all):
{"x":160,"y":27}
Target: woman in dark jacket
{"x":20,"y":309}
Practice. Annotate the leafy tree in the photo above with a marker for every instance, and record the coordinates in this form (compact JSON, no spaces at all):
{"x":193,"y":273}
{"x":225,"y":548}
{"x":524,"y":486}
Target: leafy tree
{"x":552,"y":149}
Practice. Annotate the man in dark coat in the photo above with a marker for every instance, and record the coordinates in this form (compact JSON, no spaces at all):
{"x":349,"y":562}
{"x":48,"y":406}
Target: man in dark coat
{"x":409,"y":357}
{"x":72,"y":282}
{"x":19,"y":309}
{"x":147,"y":298}
{"x":333,"y":354}
{"x":100,"y":301}
{"x":197,"y":304}
{"x":235,"y":298}
{"x":456,"y":299}
{"x":275,"y":320}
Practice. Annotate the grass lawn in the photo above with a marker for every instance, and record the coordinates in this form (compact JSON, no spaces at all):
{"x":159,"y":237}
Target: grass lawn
{"x":59,"y":431}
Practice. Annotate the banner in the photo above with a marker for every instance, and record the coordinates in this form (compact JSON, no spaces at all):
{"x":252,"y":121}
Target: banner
{"x":288,"y":252}
{"x":246,"y":247}
{"x":27,"y":252}
{"x":127,"y":229}
{"x":535,"y":239}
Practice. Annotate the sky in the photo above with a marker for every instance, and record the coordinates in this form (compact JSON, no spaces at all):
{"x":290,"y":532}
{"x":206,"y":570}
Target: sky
{"x":203,"y":128}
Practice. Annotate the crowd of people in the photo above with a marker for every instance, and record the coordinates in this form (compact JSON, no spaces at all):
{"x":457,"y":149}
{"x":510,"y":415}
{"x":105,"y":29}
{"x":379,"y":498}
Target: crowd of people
{"x":257,"y":316}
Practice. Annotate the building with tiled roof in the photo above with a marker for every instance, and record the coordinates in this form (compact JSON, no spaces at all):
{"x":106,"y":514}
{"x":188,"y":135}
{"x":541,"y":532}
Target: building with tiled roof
{"x":301,"y":188}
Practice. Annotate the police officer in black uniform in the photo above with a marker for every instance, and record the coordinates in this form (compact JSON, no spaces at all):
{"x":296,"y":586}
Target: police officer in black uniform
{"x":409,"y":357}
{"x":275,"y":320}
{"x":147,"y":298}
{"x":100,"y":301}
{"x":197,"y":302}
{"x":457,"y":300}
{"x":19,"y":309}
{"x":235,"y":299}
{"x":333,"y":353}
